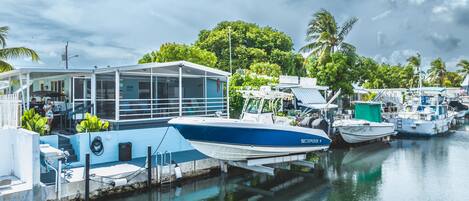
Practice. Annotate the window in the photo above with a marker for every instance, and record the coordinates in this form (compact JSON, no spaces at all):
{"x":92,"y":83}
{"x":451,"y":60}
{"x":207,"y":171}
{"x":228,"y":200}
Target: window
{"x":105,"y":95}
{"x":253,"y":106}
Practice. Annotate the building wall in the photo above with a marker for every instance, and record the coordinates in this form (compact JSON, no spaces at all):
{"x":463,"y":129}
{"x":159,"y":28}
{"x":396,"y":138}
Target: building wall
{"x":19,"y":153}
{"x":140,"y":139}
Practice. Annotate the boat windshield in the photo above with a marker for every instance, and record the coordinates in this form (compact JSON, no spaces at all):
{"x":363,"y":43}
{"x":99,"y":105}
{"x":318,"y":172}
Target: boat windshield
{"x":253,"y":106}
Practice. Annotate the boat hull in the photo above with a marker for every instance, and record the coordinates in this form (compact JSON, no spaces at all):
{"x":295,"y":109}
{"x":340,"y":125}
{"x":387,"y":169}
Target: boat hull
{"x":234,"y":140}
{"x":362,"y":132}
{"x":244,"y":152}
{"x":421,"y":127}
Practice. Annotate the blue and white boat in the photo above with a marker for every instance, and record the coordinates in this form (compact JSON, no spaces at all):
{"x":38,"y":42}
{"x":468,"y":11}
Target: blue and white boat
{"x":258,"y":134}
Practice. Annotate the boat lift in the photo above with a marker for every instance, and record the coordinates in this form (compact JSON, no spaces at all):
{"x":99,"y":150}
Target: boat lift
{"x":259,"y":164}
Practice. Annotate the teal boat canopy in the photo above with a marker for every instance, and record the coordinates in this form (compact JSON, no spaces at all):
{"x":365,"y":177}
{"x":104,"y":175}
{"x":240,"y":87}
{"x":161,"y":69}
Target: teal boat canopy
{"x":370,"y":111}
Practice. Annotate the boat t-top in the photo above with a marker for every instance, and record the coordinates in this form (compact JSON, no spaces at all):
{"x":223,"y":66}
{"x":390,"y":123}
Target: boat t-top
{"x":261,"y":132}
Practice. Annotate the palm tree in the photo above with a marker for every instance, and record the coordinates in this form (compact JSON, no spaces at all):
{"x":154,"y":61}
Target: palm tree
{"x":415,"y":61}
{"x":324,"y":36}
{"x":464,"y":64}
{"x":12,"y":52}
{"x":437,"y":71}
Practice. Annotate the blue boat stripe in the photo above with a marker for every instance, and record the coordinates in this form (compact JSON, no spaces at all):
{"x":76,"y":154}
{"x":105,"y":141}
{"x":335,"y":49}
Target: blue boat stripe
{"x":250,"y":136}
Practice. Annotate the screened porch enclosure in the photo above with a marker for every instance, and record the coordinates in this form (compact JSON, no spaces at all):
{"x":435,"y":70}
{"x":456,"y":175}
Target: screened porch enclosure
{"x":146,"y":92}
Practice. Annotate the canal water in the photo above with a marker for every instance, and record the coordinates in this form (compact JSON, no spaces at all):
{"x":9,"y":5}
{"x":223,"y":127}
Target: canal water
{"x":405,"y":169}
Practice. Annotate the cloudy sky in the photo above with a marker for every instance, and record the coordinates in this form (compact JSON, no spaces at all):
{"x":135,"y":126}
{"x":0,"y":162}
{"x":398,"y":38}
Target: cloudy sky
{"x":117,"y":32}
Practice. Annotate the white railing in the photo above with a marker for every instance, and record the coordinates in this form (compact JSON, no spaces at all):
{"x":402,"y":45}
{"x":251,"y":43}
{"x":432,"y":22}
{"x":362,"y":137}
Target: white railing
{"x":170,"y":107}
{"x":10,"y":111}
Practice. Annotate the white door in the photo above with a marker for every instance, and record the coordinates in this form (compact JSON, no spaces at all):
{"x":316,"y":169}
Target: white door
{"x":81,"y":96}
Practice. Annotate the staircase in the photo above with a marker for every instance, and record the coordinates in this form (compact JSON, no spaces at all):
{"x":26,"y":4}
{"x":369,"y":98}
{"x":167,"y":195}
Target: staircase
{"x":65,"y":145}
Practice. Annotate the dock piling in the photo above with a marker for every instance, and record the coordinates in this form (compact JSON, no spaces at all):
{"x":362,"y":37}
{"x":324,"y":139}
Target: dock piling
{"x":87,"y":177}
{"x":149,"y":167}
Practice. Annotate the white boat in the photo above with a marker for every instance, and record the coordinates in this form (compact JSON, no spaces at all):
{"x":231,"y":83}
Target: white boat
{"x":356,"y":131}
{"x":425,"y":114}
{"x":366,"y":126}
{"x":258,"y":134}
{"x":236,"y":140}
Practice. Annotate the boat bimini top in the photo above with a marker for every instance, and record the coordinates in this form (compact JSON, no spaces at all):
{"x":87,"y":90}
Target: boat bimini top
{"x":265,"y":92}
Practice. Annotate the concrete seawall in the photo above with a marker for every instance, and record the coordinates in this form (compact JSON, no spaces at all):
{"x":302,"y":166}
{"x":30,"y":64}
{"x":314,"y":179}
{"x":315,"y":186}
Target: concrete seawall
{"x":101,"y":185}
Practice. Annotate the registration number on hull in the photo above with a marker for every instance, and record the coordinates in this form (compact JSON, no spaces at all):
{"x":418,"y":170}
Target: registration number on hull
{"x":310,"y":141}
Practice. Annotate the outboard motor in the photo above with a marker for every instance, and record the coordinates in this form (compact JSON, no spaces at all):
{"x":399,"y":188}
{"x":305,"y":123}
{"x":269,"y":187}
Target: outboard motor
{"x":307,"y":122}
{"x":320,"y":124}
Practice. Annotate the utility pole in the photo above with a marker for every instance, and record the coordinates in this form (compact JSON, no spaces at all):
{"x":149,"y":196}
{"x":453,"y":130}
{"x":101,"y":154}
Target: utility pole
{"x":66,"y":56}
{"x":229,"y":41}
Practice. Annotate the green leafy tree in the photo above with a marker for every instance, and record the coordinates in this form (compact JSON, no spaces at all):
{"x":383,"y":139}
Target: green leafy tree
{"x":176,"y":52}
{"x":250,"y":44}
{"x":92,"y":123}
{"x":464,"y":64}
{"x":390,"y":76}
{"x":324,"y":36}
{"x":12,"y":52}
{"x":453,"y":79}
{"x":437,"y":72}
{"x":32,"y":121}
{"x":337,"y":74}
{"x":265,"y":68}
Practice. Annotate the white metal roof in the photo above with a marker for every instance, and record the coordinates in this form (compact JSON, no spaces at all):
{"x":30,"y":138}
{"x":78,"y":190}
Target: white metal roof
{"x":165,"y":64}
{"x":308,"y":96}
{"x":110,"y":69}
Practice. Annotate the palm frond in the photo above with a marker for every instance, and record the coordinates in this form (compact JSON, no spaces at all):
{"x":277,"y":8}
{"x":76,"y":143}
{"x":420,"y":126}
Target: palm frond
{"x":4,"y":66}
{"x":17,"y":52}
{"x":3,"y":36}
{"x":347,"y":48}
{"x":347,"y":27}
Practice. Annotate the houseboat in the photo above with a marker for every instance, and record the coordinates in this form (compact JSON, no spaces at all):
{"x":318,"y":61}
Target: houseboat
{"x":137,"y":101}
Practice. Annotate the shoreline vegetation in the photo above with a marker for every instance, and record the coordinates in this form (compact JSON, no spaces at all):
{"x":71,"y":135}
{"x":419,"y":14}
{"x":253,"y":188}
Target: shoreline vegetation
{"x":260,"y":54}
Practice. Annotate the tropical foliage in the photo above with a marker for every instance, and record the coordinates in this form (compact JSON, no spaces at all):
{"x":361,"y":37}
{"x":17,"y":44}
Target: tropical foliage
{"x":250,"y":44}
{"x":92,"y":123}
{"x":177,"y":52}
{"x":437,"y":72}
{"x":415,"y":62}
{"x":325,"y":36}
{"x":33,"y":121}
{"x":7,"y":53}
{"x":265,"y":68}
{"x":464,"y":64}
{"x":339,"y":73}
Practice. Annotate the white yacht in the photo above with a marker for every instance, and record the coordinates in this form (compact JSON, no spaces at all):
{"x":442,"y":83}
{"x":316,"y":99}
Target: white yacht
{"x":425,"y":113}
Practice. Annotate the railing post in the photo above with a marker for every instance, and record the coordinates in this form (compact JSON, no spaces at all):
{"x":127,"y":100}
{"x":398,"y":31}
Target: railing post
{"x":227,"y":96}
{"x":87,"y":177}
{"x":149,"y":167}
{"x":180,"y":90}
{"x":117,"y":88}
{"x":205,"y":92}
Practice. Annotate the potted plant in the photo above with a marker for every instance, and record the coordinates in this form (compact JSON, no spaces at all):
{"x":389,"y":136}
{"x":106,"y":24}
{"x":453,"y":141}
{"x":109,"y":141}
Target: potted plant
{"x":32,"y":121}
{"x":92,"y":123}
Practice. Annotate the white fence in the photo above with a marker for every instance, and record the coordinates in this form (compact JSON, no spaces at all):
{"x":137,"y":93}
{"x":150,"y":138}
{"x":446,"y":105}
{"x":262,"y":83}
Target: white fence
{"x":10,"y":111}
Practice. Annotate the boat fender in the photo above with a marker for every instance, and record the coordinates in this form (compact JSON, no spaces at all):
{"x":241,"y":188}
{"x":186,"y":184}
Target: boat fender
{"x":177,"y":171}
{"x":321,"y":124}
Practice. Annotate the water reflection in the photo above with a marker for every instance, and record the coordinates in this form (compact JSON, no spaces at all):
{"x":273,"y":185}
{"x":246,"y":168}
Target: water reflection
{"x":405,"y":169}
